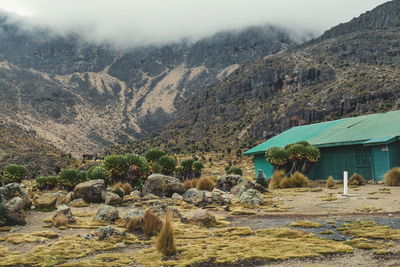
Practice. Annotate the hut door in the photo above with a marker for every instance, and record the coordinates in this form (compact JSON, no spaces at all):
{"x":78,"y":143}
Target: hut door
{"x":363,"y":163}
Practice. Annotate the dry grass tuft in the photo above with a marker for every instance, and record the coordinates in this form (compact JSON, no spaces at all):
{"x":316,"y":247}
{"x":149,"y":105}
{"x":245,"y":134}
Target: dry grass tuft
{"x":152,"y":223}
{"x":275,"y":180}
{"x":306,"y":224}
{"x":330,"y":182}
{"x":357,"y":180}
{"x":205,"y":184}
{"x":327,"y":232}
{"x":367,"y":244}
{"x":165,"y":239}
{"x":60,"y":220}
{"x":296,"y":180}
{"x":192,"y":183}
{"x":392,"y":177}
{"x":135,"y":224}
{"x":369,"y":229}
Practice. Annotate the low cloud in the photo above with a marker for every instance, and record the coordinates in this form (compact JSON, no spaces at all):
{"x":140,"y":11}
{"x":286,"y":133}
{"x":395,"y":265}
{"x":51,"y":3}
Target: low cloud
{"x":141,"y":22}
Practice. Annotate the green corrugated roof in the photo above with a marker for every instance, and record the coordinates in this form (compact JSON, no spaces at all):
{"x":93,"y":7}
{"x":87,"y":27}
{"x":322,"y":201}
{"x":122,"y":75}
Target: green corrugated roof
{"x":348,"y":131}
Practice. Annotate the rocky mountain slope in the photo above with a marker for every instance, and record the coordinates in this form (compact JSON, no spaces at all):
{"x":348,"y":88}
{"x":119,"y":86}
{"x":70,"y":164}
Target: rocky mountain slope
{"x":82,"y":97}
{"x":352,"y":69}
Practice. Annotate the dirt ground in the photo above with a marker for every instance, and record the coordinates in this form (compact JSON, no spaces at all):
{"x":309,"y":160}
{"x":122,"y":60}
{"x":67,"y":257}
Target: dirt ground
{"x":371,"y":202}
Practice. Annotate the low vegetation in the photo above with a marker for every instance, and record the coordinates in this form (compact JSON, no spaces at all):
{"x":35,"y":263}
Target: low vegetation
{"x":357,"y":180}
{"x":13,"y":173}
{"x":392,"y":177}
{"x":165,"y":240}
{"x":306,"y":224}
{"x":234,"y":170}
{"x":330,"y":182}
{"x":151,"y":223}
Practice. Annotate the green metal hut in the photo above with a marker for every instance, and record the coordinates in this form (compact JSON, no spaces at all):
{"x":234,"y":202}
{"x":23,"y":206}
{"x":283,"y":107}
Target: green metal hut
{"x":368,"y":145}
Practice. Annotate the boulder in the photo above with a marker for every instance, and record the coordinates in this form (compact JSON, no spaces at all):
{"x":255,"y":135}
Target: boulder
{"x":162,"y":186}
{"x":239,"y":189}
{"x":112,"y":199}
{"x":49,"y":200}
{"x":135,"y":193}
{"x":227,"y":182}
{"x":133,"y":214}
{"x":199,"y":217}
{"x":12,"y":190}
{"x":90,"y":191}
{"x":16,"y":213}
{"x":69,"y":197}
{"x":107,"y":213}
{"x":220,"y":197}
{"x":195,"y":197}
{"x":177,"y":196}
{"x":202,"y":198}
{"x":64,"y":210}
{"x":78,"y":203}
{"x":252,"y":197}
{"x":106,"y":232}
{"x":161,"y":208}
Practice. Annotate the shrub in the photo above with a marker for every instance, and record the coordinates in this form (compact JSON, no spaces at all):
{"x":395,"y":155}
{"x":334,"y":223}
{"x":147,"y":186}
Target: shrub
{"x":96,"y":173}
{"x":165,"y":240}
{"x":116,"y":167}
{"x":138,"y":166}
{"x":47,"y":182}
{"x":235,"y":170}
{"x":275,"y":180}
{"x":205,"y":184}
{"x":296,"y":180}
{"x":152,"y":223}
{"x":277,"y":156}
{"x":71,"y":177}
{"x":198,"y":167}
{"x":300,"y":180}
{"x":357,"y":180}
{"x":392,"y":177}
{"x":168,"y":165}
{"x":3,"y":214}
{"x":14,"y":173}
{"x":135,"y":224}
{"x":330,"y":182}
{"x":153,"y":155}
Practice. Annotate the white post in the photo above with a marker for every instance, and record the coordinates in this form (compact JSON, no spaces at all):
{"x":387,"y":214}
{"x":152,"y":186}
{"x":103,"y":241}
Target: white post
{"x":345,"y":183}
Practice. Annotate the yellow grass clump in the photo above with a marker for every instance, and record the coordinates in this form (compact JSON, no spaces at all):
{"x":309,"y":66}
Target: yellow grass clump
{"x":275,"y":180}
{"x":205,"y":184}
{"x":392,"y":177}
{"x":330,"y":182}
{"x":60,"y":220}
{"x":370,"y":229}
{"x":152,"y":223}
{"x":306,"y":224}
{"x":165,"y":239}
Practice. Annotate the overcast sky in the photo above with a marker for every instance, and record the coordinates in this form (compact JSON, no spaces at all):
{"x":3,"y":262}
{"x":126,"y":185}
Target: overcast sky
{"x":156,"y":21}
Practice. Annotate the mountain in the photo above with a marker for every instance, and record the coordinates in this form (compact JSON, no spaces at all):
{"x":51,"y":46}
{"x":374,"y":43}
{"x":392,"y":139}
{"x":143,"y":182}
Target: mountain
{"x":352,"y":69}
{"x":82,"y":97}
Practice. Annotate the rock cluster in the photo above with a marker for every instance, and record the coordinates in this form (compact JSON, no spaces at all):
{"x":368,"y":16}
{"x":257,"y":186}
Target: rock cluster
{"x":162,"y":186}
{"x":16,"y":200}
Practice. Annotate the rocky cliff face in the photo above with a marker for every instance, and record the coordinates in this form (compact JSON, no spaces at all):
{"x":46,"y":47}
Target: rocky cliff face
{"x":82,"y":97}
{"x":352,"y":69}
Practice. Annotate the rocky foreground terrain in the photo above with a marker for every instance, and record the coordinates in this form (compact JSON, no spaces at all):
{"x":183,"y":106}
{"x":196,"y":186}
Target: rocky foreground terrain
{"x":236,"y":223}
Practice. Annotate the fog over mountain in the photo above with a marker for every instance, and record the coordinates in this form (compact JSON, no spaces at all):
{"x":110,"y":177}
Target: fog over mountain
{"x":130,"y":23}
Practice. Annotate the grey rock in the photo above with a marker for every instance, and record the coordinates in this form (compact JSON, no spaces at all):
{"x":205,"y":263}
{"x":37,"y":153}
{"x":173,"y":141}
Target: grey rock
{"x":64,"y":209}
{"x":107,"y":213}
{"x":162,"y":186}
{"x":90,"y":191}
{"x":242,"y":187}
{"x":12,"y":190}
{"x":200,"y":217}
{"x":227,"y":182}
{"x":16,"y":213}
{"x":133,"y":213}
{"x":176,"y":196}
{"x":252,"y":197}
{"x":195,"y":197}
{"x":106,"y":232}
{"x":112,"y":199}
{"x":135,"y":193}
